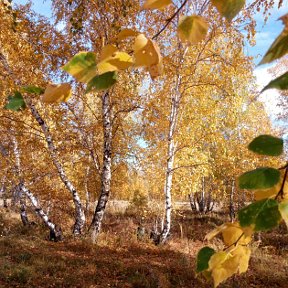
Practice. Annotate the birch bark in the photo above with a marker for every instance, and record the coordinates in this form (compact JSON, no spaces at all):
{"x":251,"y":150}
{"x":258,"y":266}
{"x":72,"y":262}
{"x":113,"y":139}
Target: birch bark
{"x":106,"y":169}
{"x":79,"y":211}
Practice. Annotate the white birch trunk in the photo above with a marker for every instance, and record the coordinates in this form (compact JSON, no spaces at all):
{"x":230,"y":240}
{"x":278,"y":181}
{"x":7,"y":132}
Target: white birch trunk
{"x":106,"y":169}
{"x":17,"y":190}
{"x":169,"y":167}
{"x":37,"y":207}
{"x":79,"y":211}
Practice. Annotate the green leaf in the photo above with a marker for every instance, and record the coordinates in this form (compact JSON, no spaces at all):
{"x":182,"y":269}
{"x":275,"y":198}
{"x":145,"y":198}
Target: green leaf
{"x":228,"y":8}
{"x":278,"y":48}
{"x":260,"y":178}
{"x":267,"y":145}
{"x":15,"y":102}
{"x":203,"y":258}
{"x":82,"y":66}
{"x":33,"y":89}
{"x":102,"y":82}
{"x":264,"y":214}
{"x":280,"y":83}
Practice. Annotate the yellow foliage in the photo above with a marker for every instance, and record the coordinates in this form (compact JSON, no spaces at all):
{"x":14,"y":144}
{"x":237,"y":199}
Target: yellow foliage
{"x":192,"y":28}
{"x":267,"y":193}
{"x":283,"y":209}
{"x":225,"y":264}
{"x":57,"y":93}
{"x":113,"y":60}
{"x":146,"y":52}
{"x":156,"y":4}
{"x":125,"y":33}
{"x":231,"y":233}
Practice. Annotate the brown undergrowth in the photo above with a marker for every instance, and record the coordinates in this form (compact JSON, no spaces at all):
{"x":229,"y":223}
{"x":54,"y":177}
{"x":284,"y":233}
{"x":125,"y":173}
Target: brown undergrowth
{"x":27,"y":259}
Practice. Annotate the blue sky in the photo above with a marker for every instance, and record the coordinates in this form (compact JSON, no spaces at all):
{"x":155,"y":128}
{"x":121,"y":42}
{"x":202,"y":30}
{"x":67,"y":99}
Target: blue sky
{"x":266,"y":33}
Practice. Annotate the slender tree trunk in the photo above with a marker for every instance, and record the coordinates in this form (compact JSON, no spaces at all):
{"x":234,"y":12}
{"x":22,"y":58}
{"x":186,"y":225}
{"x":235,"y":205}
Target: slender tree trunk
{"x":55,"y":230}
{"x":106,"y":169}
{"x":23,"y":212}
{"x":79,"y":211}
{"x":3,"y":192}
{"x":170,"y":165}
{"x":17,"y":190}
{"x":87,"y":193}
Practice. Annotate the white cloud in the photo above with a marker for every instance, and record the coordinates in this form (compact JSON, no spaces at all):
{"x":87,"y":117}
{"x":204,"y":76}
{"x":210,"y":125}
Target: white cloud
{"x":270,"y":98}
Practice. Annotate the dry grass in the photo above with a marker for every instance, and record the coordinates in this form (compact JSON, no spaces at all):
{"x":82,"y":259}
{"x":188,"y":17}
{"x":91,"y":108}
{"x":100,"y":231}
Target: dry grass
{"x":27,"y":259}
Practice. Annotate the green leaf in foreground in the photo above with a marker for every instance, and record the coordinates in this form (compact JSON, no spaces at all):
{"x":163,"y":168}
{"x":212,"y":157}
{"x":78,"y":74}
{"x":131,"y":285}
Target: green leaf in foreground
{"x":267,"y":145}
{"x":263,"y":214}
{"x":280,"y":83}
{"x":260,"y":178}
{"x":82,"y":66}
{"x":203,"y":258}
{"x":15,"y":102}
{"x":228,"y":8}
{"x":102,"y":82}
{"x":33,"y":89}
{"x":278,"y":48}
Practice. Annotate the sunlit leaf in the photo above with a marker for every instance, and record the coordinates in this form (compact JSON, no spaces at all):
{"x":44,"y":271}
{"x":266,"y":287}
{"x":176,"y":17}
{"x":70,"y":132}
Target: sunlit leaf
{"x":156,"y":4}
{"x":125,"y":33}
{"x":192,"y":28}
{"x":155,"y":70}
{"x":283,"y":209}
{"x":228,"y":8}
{"x":203,"y":258}
{"x":267,"y":145}
{"x":55,"y":93}
{"x":231,"y":233}
{"x":224,"y":264}
{"x":33,"y":90}
{"x":217,"y":259}
{"x":146,"y":52}
{"x":82,"y":66}
{"x":113,"y":60}
{"x":235,"y":233}
{"x":280,"y":83}
{"x":102,"y":82}
{"x":260,"y":178}
{"x":268,"y":193}
{"x":263,"y":215}
{"x":15,"y":102}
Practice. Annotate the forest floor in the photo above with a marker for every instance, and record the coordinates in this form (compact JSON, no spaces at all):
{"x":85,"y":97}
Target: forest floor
{"x":27,"y":259}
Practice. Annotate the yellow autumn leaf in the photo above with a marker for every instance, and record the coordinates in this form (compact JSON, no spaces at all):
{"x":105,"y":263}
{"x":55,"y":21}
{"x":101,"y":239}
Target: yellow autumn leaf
{"x":233,"y":233}
{"x":192,"y":28}
{"x":57,"y":93}
{"x":107,"y":52}
{"x":156,"y":4}
{"x":285,"y":190}
{"x":283,"y":209}
{"x":113,"y":60}
{"x":146,"y":52}
{"x":125,"y":33}
{"x":217,"y":259}
{"x":224,"y":264}
{"x":155,"y":70}
{"x":268,"y":193}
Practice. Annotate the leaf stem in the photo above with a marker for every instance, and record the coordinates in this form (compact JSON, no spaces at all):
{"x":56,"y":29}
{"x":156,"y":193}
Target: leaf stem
{"x":235,"y":243}
{"x":281,"y":191}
